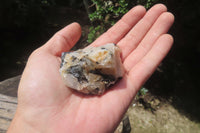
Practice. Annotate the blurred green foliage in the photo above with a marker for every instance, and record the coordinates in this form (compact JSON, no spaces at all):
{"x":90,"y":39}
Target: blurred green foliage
{"x":143,"y":91}
{"x":149,"y":3}
{"x":105,"y":13}
{"x":95,"y":32}
{"x":108,"y":11}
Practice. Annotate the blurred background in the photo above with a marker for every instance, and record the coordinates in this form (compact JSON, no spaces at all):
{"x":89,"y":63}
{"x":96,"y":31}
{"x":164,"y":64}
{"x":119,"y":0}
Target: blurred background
{"x":27,"y":24}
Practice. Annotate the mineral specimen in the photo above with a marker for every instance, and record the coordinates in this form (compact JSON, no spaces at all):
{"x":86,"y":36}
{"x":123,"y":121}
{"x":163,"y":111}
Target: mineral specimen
{"x":92,"y":70}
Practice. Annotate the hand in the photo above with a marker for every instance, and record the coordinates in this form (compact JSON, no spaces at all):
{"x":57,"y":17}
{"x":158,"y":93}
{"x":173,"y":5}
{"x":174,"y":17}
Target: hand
{"x":45,"y":104}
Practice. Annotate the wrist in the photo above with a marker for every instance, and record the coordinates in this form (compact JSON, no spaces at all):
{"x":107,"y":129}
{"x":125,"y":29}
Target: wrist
{"x":20,"y":125}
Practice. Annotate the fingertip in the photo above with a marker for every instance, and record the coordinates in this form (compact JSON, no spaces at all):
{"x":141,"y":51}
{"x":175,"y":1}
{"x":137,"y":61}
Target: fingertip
{"x":167,"y":37}
{"x":74,"y":27}
{"x":167,"y":17}
{"x":170,"y":38}
{"x":138,"y":12}
{"x":78,"y":28}
{"x":159,"y":7}
{"x":167,"y":41}
{"x":77,"y":25}
{"x":139,"y":9}
{"x":64,"y":39}
{"x":171,"y":16}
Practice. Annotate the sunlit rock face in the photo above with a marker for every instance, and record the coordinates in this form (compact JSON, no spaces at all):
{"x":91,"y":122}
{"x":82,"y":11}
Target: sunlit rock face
{"x":92,"y":70}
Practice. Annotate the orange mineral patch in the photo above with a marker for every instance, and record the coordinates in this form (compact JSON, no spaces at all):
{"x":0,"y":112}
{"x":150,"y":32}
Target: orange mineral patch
{"x":101,"y":56}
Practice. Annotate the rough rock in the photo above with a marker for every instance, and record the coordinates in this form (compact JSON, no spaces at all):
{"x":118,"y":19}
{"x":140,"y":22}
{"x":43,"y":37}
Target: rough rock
{"x":92,"y":70}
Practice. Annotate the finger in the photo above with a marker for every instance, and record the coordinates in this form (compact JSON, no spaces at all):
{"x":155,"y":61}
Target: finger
{"x":64,"y":39}
{"x":160,"y":27}
{"x":144,"y":69}
{"x":127,"y":88}
{"x":120,"y":29}
{"x":132,"y":39}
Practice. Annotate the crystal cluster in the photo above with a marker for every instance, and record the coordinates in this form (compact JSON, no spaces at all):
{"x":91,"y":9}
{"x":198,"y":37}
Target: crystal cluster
{"x":92,"y":70}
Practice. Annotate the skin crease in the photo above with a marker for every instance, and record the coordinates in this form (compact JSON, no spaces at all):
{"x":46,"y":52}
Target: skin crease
{"x":46,"y":105}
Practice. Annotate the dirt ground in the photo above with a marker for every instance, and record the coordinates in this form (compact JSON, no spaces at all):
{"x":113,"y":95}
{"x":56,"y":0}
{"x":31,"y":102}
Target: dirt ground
{"x":164,"y":118}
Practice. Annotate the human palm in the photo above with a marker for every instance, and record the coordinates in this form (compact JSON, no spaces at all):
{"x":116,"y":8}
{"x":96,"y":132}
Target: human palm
{"x":46,"y":104}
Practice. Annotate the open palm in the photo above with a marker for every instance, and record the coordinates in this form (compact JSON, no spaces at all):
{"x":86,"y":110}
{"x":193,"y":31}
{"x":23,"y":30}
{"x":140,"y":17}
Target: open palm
{"x":48,"y":105}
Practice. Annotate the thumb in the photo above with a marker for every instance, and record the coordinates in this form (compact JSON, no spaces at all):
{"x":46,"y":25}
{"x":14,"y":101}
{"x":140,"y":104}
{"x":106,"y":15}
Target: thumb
{"x":63,"y":40}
